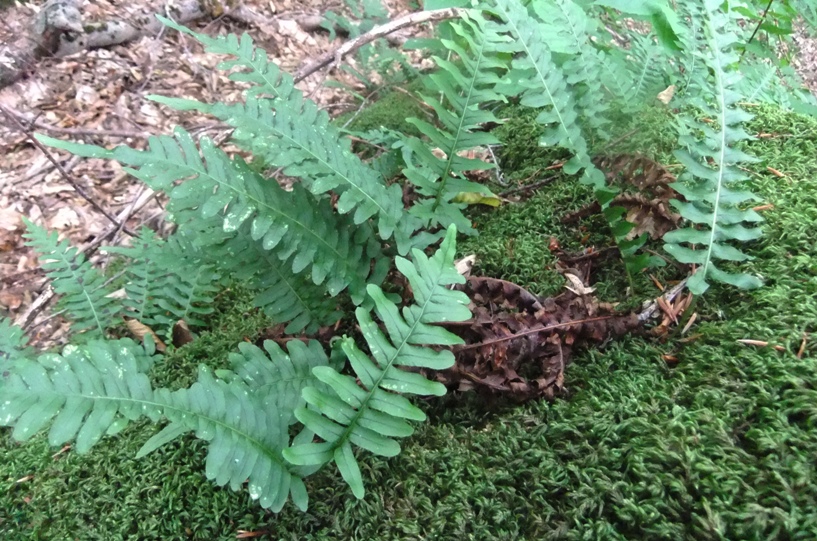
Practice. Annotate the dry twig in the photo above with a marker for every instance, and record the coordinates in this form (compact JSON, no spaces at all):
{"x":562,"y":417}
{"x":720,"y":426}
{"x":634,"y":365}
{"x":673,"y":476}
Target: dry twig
{"x":65,"y":175}
{"x":375,"y":33}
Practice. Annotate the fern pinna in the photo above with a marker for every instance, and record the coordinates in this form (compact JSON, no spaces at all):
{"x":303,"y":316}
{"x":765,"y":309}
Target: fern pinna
{"x":371,"y":413}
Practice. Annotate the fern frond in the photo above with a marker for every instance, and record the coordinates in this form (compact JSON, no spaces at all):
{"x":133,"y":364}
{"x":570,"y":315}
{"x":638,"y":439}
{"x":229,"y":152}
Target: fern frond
{"x":85,"y":393}
{"x":278,"y":377}
{"x":245,"y":435}
{"x":293,"y":134}
{"x":647,"y":68}
{"x":568,"y":31}
{"x":284,"y":296}
{"x":542,"y":85}
{"x":462,"y":88}
{"x":94,"y":390}
{"x":371,"y":413}
{"x":164,"y":284}
{"x":80,"y":286}
{"x":264,"y":74}
{"x":286,"y":222}
{"x":713,"y":183}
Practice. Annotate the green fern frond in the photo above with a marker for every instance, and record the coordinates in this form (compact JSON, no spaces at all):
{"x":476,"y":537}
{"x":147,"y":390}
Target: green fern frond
{"x":84,"y":394}
{"x":567,"y":31}
{"x":371,"y":413}
{"x":284,"y":296}
{"x":286,"y":222}
{"x":264,"y":74}
{"x":461,"y":88}
{"x":81,"y":287}
{"x":143,"y":272}
{"x":293,"y":134}
{"x":164,"y":284}
{"x":713,"y":184}
{"x":542,"y":85}
{"x":245,"y":435}
{"x":647,"y":68}
{"x":276,"y":376}
{"x":94,"y":390}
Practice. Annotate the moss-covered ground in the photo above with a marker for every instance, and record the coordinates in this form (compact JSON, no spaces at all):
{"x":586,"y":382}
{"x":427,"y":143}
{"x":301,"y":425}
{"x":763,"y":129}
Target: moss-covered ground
{"x":722,"y":445}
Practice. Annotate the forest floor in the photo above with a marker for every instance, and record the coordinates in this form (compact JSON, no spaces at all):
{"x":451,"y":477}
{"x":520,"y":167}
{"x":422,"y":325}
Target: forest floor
{"x":699,"y":436}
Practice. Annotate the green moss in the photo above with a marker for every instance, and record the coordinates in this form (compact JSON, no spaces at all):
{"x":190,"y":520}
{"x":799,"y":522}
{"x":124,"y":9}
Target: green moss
{"x":390,"y":111}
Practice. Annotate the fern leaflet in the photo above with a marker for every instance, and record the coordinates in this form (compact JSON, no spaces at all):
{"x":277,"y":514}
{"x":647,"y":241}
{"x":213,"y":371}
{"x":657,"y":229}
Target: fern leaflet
{"x":245,"y":435}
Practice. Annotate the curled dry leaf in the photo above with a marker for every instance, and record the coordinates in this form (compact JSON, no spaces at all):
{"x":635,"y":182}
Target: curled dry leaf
{"x":465,"y":264}
{"x":648,"y":206}
{"x":181,"y":334}
{"x":665,"y":96}
{"x":518,"y":344}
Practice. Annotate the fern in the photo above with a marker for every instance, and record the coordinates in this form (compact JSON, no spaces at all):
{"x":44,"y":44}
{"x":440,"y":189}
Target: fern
{"x":12,"y":344}
{"x":462,"y":88}
{"x":542,"y":84}
{"x":284,"y":296}
{"x":80,"y":286}
{"x":295,"y":135}
{"x":289,"y":131}
{"x":286,"y":222}
{"x":245,"y":433}
{"x":276,"y":376}
{"x":87,"y":391}
{"x":712,"y":186}
{"x":98,"y":389}
{"x":164,"y":284}
{"x":567,"y":31}
{"x":370,"y":414}
{"x":647,"y":69}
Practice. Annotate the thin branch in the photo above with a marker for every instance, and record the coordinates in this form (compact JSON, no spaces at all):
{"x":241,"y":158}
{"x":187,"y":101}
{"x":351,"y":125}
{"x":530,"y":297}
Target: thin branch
{"x":68,"y":178}
{"x":76,"y":131}
{"x":757,"y":28}
{"x":669,"y":296}
{"x":543,"y":328}
{"x":527,"y":187}
{"x":375,"y":33}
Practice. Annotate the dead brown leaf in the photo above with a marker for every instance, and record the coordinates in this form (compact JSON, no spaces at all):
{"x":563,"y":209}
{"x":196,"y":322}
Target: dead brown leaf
{"x":139,"y":330}
{"x":518,"y":345}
